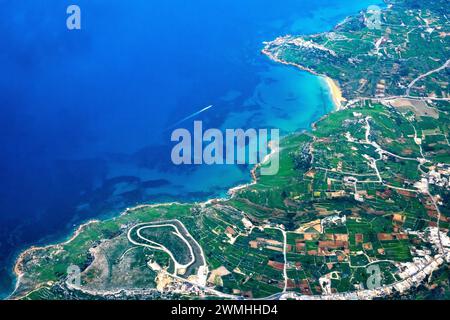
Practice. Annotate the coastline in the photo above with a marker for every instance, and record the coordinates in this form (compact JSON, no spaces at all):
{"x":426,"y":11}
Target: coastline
{"x":408,"y":273}
{"x":338,"y":104}
{"x":336,"y":94}
{"x":16,"y":270}
{"x":337,"y":99}
{"x":231,"y":192}
{"x":333,"y":88}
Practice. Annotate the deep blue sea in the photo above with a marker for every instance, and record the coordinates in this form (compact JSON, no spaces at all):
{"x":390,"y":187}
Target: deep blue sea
{"x":84,"y":113}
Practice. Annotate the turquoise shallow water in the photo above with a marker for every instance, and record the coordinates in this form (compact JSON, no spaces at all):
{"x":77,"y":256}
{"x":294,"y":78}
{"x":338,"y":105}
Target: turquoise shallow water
{"x":84,"y":114}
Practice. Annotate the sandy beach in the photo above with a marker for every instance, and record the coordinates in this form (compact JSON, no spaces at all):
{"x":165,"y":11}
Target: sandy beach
{"x":336,"y":94}
{"x":335,"y":91}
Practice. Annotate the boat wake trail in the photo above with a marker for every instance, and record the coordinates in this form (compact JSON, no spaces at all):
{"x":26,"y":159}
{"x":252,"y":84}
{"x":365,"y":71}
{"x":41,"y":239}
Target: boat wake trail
{"x":189,"y":117}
